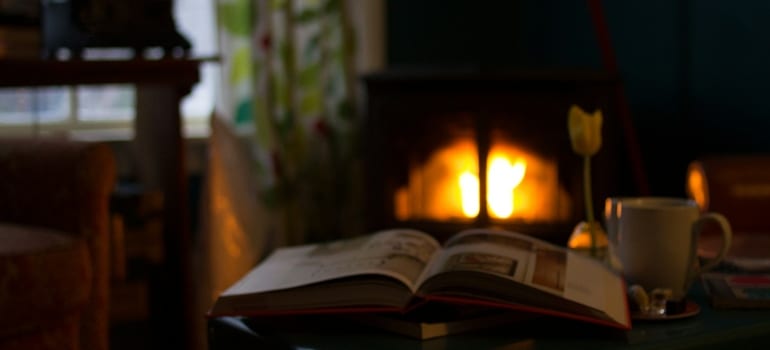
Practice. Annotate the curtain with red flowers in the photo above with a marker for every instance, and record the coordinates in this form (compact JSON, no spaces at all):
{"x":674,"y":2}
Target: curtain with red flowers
{"x":290,"y":85}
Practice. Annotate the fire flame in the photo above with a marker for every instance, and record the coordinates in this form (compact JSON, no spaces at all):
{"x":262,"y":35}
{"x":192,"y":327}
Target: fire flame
{"x":469,"y":192}
{"x":502,"y":178}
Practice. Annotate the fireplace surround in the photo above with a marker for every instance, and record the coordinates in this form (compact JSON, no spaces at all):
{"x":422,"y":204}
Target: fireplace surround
{"x":435,"y":143}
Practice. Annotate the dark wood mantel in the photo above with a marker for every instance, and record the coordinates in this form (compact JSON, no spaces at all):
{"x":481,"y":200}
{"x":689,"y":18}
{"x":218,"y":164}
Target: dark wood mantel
{"x":178,"y":72}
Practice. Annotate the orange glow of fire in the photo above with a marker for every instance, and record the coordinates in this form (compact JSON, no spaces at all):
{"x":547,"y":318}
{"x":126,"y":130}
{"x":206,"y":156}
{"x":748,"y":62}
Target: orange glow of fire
{"x":469,"y":192}
{"x":502,"y":179}
{"x":521,"y":186}
{"x":696,"y":185}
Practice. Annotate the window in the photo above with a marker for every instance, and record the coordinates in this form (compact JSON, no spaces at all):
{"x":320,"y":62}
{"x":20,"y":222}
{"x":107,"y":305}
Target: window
{"x":101,"y":109}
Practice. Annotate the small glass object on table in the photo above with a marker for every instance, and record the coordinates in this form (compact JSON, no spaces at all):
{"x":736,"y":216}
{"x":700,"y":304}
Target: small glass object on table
{"x":580,"y":240}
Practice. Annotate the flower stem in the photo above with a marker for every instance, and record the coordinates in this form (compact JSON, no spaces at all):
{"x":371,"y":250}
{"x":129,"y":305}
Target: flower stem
{"x":589,"y":202}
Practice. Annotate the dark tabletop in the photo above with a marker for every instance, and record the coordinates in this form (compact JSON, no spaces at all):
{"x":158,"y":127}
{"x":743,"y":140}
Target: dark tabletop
{"x":709,"y":329}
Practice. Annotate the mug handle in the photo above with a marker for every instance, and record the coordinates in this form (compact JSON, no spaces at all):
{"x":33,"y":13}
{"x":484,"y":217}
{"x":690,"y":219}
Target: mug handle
{"x":727,"y":238}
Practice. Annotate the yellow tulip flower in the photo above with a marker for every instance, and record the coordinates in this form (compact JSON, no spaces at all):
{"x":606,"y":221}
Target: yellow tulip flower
{"x":585,"y":131}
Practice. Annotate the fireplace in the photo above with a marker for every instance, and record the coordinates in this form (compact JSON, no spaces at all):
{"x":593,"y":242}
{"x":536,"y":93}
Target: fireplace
{"x":452,"y":150}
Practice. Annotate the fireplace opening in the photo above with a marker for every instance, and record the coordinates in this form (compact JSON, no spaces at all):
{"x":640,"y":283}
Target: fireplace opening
{"x":520,"y":186}
{"x":449,"y":151}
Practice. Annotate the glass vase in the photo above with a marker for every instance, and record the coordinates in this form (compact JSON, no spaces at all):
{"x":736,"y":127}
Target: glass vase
{"x":580,"y":240}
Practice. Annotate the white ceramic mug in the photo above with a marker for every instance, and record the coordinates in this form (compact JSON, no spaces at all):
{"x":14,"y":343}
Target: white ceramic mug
{"x":611,"y":221}
{"x":654,"y":240}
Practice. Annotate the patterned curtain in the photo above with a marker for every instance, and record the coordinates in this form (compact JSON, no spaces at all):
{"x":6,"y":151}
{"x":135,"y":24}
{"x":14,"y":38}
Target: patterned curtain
{"x":289,"y":82}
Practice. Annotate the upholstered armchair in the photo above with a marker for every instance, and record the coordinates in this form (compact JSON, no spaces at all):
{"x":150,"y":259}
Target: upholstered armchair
{"x":54,"y":244}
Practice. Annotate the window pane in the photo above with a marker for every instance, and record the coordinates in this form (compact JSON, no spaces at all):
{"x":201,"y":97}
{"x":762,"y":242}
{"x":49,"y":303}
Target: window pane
{"x":16,"y":106}
{"x":199,"y":104}
{"x":105,"y":103}
{"x":34,"y":105}
{"x":52,"y":104}
{"x":195,"y":20}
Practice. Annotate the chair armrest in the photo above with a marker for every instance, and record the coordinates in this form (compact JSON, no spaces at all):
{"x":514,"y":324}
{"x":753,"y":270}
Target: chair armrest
{"x":55,"y":183}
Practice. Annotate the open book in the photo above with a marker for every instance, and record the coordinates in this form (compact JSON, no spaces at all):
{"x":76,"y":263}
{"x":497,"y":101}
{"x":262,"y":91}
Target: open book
{"x":401,"y":270}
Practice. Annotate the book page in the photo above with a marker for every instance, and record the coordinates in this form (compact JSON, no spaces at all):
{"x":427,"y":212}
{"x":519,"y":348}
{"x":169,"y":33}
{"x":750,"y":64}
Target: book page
{"x":591,"y":283}
{"x":489,"y":251}
{"x":537,"y":264}
{"x":402,"y":254}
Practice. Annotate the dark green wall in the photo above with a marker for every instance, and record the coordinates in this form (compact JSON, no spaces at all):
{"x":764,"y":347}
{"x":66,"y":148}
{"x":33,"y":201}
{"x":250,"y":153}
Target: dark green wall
{"x":695,"y":72}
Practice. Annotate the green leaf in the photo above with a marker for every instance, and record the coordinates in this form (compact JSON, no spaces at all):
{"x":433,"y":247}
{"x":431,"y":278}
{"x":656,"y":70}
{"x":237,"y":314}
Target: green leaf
{"x":331,"y":6}
{"x":235,"y":17}
{"x":338,"y":55}
{"x":345,"y":110}
{"x":307,"y":15}
{"x":257,"y":66}
{"x":244,"y":112}
{"x":311,"y":102}
{"x":241,"y":65}
{"x":284,"y":51}
{"x":278,"y":4}
{"x":309,"y":76}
